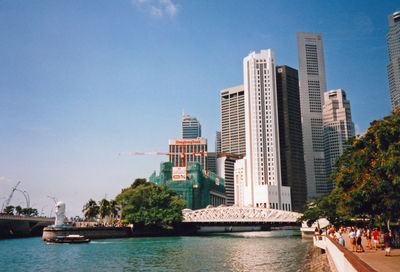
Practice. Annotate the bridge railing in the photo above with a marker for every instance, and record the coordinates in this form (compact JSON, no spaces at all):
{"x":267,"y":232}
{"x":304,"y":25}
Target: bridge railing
{"x":239,"y":214}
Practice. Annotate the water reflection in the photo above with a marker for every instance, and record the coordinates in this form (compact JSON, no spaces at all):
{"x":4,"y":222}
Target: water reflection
{"x":252,"y":251}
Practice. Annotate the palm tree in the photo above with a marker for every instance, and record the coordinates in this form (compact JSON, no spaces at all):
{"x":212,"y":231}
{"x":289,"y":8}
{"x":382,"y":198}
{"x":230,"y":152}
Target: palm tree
{"x":91,"y":209}
{"x":104,"y":208}
{"x":114,"y":208}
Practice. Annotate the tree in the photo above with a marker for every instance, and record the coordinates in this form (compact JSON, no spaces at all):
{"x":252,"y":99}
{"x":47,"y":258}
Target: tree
{"x":18,"y":209}
{"x":150,"y":205}
{"x":325,"y":207}
{"x":9,"y":209}
{"x":91,"y":209}
{"x":114,"y":208}
{"x":367,"y":175}
{"x":29,"y":212}
{"x":104,"y":209}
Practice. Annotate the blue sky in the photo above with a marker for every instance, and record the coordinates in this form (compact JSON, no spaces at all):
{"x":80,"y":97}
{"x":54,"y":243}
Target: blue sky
{"x":81,"y":81}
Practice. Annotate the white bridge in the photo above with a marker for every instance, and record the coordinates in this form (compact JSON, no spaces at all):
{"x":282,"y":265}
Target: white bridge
{"x":233,"y":214}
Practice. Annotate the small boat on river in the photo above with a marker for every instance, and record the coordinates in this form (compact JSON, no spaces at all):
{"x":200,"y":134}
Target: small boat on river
{"x":69,"y":239}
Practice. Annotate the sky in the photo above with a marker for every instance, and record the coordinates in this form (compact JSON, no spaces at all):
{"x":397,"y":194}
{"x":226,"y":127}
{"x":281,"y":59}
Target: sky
{"x":82,"y":81}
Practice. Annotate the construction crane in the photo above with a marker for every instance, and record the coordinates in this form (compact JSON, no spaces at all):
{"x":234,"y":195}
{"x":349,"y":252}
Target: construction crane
{"x":27,"y":198}
{"x":182,"y":154}
{"x":7,"y":202}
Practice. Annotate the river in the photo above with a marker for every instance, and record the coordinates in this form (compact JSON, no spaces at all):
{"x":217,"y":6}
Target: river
{"x":247,"y":251}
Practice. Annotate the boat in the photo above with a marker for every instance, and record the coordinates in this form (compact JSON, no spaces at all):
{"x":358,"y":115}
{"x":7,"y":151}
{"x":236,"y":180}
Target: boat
{"x":69,"y":239}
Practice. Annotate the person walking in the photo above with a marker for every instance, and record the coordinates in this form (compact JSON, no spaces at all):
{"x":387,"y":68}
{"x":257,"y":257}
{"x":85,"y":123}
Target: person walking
{"x":375,"y":238}
{"x":387,"y":241}
{"x":359,"y":240}
{"x":368,"y":236}
{"x":352,"y":237}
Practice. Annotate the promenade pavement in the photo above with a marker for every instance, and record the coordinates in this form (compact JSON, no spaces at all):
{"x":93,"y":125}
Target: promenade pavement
{"x":377,"y":259}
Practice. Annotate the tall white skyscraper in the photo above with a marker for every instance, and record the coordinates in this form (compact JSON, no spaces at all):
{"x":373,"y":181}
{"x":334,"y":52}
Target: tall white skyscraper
{"x":393,"y":68}
{"x":258,"y":174}
{"x":338,"y":126}
{"x":312,"y":88}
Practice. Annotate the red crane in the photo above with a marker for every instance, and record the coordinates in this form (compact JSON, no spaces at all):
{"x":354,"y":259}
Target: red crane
{"x":182,"y":154}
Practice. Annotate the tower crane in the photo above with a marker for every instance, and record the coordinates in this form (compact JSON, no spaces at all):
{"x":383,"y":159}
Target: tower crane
{"x":7,"y":202}
{"x":182,"y":154}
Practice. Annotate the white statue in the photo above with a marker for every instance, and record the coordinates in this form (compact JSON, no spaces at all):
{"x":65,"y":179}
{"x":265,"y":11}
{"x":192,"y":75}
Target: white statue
{"x":60,"y":213}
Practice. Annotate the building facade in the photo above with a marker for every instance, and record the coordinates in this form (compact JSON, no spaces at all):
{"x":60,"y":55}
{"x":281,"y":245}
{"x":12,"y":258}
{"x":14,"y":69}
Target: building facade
{"x":291,"y":136}
{"x":225,"y":169}
{"x":312,"y":88}
{"x":212,"y":162}
{"x":218,"y":142}
{"x":262,"y":186}
{"x":191,"y":128}
{"x":182,"y":151}
{"x":233,"y":138}
{"x":198,"y":187}
{"x":393,"y":68}
{"x":338,"y":126}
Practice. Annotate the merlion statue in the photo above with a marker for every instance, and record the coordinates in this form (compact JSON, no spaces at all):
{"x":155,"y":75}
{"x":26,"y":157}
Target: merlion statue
{"x":60,"y":213}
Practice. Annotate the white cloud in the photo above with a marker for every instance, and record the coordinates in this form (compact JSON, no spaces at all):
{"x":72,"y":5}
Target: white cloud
{"x":157,"y":8}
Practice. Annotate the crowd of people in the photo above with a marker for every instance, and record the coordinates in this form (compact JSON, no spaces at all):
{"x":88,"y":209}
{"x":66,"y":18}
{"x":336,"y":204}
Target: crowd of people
{"x":374,"y":237}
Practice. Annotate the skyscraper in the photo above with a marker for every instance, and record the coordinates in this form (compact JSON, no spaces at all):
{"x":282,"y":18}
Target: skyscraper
{"x":291,"y":136}
{"x":191,"y":128}
{"x":338,"y":126}
{"x":312,"y":88}
{"x":393,"y":68}
{"x":233,"y":138}
{"x":218,"y":142}
{"x":262,"y":185}
{"x":225,"y":169}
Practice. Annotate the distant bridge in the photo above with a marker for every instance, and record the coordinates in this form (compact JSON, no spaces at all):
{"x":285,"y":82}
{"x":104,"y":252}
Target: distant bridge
{"x":20,"y":226}
{"x":240,"y":215}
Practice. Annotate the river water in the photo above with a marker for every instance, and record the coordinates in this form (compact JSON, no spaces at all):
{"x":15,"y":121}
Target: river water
{"x":247,"y":251}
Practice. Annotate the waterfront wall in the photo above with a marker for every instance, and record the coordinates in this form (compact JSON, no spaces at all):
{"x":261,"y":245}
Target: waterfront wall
{"x":88,"y":232}
{"x":339,"y":257}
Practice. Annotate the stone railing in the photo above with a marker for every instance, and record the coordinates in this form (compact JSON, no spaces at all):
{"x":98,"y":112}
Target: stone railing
{"x":342,"y":258}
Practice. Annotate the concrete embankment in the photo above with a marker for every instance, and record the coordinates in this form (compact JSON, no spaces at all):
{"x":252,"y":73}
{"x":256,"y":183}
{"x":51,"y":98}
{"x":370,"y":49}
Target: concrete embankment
{"x":316,"y":260}
{"x":116,"y":232}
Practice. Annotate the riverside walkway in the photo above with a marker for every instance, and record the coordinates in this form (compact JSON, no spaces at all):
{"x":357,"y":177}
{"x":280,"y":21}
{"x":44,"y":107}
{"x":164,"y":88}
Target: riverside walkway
{"x":377,"y":259}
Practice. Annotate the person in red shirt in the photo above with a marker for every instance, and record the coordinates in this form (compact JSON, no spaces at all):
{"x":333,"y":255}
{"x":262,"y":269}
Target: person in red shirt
{"x":375,"y":238}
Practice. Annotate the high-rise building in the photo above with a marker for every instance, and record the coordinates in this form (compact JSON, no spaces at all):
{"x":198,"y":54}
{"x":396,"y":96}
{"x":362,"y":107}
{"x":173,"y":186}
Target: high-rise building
{"x":312,"y":88}
{"x":194,"y":150}
{"x":225,"y":169}
{"x":212,"y":162}
{"x":233,"y":138}
{"x":218,"y":142}
{"x":338,"y":126}
{"x":291,"y":136}
{"x":191,"y":128}
{"x":262,"y":185}
{"x":393,"y":68}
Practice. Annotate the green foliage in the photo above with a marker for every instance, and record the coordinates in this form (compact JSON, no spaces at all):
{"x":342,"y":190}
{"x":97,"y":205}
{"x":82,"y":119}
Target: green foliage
{"x":29,"y":212}
{"x":150,"y":205}
{"x":325,"y":206}
{"x":18,"y":209}
{"x":114,"y":208}
{"x":367,"y":177}
{"x":104,"y":209}
{"x":9,"y":209}
{"x":91,"y":209}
